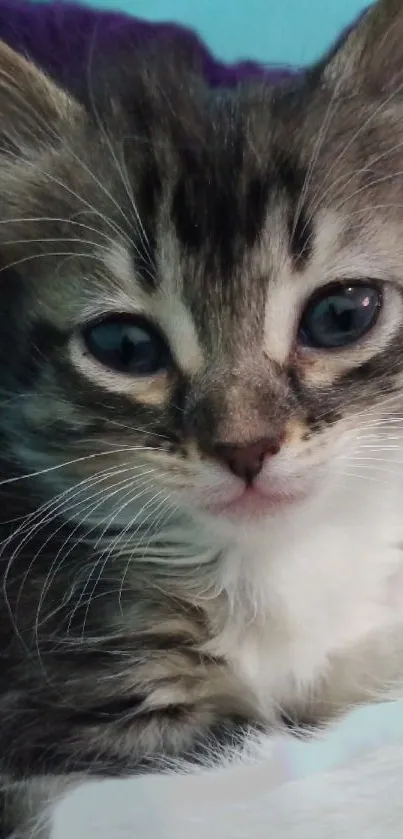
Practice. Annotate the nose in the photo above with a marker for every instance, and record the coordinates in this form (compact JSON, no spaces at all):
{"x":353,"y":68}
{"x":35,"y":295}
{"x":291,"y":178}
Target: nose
{"x":246,"y":461}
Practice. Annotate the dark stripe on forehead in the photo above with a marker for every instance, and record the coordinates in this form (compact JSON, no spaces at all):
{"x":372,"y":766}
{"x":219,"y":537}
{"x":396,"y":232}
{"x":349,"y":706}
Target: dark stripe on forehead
{"x":205,"y":213}
{"x":205,"y":207}
{"x":290,"y":175}
{"x":148,"y":201}
{"x":217,"y":209}
{"x":257,"y":196}
{"x":186,"y":219}
{"x":292,"y":178}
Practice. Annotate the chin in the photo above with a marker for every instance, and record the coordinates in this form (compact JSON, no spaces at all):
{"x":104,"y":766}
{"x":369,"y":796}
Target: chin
{"x":255,"y":505}
{"x":220,"y":502}
{"x":252,"y":506}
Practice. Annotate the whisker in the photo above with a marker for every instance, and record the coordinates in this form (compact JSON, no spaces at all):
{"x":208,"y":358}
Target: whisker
{"x":345,"y":179}
{"x":374,"y":113}
{"x":136,"y":429}
{"x":61,"y":509}
{"x":102,"y":560}
{"x":105,"y":557}
{"x":84,"y":203}
{"x":130,"y":559}
{"x":65,"y":464}
{"x":144,"y":239}
{"x":54,"y":510}
{"x":63,"y":554}
{"x":318,"y":145}
{"x":52,"y":240}
{"x":68,"y":221}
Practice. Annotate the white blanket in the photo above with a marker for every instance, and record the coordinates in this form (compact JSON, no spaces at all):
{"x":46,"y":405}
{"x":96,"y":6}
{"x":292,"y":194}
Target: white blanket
{"x":347,"y":784}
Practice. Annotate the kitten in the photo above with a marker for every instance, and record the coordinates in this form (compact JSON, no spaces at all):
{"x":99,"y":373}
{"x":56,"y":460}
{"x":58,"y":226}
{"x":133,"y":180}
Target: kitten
{"x":201,"y":356}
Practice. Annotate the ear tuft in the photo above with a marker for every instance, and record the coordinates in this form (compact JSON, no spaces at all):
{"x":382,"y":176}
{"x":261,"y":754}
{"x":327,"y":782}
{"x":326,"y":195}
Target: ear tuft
{"x":370,"y":58}
{"x":33,"y":109}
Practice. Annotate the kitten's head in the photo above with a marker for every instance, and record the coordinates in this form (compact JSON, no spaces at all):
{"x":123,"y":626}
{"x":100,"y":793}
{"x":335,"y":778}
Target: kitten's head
{"x":202,"y":308}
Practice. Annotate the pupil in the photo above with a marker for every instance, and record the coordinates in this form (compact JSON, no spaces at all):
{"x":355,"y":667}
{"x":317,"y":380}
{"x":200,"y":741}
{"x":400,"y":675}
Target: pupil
{"x":346,"y":320}
{"x":337,"y":318}
{"x":127,"y":350}
{"x":342,"y":319}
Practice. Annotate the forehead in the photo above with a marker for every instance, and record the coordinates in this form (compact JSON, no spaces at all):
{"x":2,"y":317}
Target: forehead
{"x":226,"y":200}
{"x":230,"y":209}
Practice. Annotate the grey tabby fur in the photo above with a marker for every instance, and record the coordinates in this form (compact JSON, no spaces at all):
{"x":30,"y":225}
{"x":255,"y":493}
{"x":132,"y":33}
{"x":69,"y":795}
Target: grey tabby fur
{"x":148,"y":194}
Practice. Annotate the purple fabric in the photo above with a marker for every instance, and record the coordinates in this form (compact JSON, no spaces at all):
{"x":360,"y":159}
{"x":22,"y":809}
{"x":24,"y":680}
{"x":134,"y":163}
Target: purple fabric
{"x":60,"y":36}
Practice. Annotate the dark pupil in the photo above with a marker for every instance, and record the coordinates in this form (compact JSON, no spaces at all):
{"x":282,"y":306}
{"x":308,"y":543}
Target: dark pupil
{"x":127,"y":347}
{"x":341,"y":317}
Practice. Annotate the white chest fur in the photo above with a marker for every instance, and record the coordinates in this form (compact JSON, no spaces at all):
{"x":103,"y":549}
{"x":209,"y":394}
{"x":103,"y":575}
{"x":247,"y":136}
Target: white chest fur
{"x":316,"y":601}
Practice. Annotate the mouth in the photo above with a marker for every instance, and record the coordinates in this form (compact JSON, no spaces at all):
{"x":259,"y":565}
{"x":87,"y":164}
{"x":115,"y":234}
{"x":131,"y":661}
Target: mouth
{"x":253,"y":504}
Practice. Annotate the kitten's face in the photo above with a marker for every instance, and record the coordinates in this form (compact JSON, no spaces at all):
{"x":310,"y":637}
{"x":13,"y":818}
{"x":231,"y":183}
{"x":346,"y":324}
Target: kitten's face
{"x":206,"y":312}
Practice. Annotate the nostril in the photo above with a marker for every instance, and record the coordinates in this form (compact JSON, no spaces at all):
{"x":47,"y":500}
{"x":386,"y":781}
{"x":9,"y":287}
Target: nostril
{"x":246,"y":461}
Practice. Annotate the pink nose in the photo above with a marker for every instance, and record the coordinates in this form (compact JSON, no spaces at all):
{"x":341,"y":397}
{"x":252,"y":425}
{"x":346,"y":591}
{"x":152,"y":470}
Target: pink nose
{"x":246,"y":461}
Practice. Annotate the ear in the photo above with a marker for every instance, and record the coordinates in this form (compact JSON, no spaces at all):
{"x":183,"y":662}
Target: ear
{"x":34,"y":112}
{"x":370,"y":58}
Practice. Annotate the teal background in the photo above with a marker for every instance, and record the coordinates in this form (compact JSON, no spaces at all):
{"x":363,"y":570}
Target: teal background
{"x":282,"y":31}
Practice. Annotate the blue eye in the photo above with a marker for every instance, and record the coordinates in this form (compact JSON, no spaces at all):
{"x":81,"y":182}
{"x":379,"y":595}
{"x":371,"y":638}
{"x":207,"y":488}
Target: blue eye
{"x":127,"y":344}
{"x":340,"y":316}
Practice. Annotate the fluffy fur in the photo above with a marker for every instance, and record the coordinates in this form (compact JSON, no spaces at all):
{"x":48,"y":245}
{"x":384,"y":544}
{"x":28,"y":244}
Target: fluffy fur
{"x":141,"y":625}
